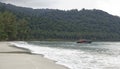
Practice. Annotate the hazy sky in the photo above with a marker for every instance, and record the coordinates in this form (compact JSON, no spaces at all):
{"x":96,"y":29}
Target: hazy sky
{"x":110,"y":6}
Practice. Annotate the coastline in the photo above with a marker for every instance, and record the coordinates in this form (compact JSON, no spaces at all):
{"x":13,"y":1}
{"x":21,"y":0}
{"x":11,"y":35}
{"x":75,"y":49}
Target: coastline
{"x":12,"y":57}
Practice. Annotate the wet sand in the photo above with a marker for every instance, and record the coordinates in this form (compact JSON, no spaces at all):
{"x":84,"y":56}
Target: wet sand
{"x":15,"y":58}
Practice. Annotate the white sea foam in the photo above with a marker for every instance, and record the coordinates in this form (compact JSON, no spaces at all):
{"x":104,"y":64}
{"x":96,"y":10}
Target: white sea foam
{"x":74,"y":58}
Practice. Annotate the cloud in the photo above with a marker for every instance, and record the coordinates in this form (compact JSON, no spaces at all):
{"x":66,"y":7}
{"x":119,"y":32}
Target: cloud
{"x":42,"y":3}
{"x":57,"y":4}
{"x":32,"y":3}
{"x":14,"y":1}
{"x":110,"y":6}
{"x":77,"y":4}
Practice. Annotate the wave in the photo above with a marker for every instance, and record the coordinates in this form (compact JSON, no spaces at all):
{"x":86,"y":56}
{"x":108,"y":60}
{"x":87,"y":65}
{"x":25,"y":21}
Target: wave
{"x":75,"y":58}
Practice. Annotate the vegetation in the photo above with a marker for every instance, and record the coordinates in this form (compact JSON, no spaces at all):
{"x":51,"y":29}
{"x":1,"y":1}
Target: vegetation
{"x":11,"y":28}
{"x":19,"y":23}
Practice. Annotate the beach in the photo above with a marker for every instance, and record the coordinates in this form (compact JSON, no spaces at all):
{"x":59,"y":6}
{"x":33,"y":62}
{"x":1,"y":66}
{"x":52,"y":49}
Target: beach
{"x":16,"y":58}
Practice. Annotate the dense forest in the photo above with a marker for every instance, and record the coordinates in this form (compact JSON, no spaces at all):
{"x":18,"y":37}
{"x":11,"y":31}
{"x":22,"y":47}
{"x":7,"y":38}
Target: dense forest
{"x":20,"y":23}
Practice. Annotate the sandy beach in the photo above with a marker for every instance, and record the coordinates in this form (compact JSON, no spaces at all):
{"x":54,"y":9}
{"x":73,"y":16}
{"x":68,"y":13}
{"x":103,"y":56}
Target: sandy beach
{"x":15,"y":58}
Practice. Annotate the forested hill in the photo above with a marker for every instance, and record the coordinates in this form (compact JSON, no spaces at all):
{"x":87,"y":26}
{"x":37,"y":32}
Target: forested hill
{"x":73,"y":24}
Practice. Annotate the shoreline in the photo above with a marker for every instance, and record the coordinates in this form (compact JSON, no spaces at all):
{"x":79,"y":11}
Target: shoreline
{"x":13,"y":57}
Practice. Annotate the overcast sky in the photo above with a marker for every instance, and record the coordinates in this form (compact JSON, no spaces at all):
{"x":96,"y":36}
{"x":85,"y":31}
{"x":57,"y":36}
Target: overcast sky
{"x":110,"y":6}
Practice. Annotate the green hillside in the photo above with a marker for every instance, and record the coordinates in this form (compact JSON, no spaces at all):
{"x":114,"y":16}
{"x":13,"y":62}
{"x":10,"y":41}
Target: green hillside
{"x":41,"y":24}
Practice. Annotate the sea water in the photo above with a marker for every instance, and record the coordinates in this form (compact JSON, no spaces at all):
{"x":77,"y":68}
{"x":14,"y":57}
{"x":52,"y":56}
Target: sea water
{"x":97,"y":55}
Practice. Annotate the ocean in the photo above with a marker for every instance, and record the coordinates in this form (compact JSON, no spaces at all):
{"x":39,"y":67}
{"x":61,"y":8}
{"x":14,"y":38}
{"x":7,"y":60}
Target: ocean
{"x":97,"y":55}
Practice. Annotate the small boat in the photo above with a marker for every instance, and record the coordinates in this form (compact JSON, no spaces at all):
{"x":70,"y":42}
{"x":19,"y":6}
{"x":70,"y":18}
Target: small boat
{"x":84,"y":41}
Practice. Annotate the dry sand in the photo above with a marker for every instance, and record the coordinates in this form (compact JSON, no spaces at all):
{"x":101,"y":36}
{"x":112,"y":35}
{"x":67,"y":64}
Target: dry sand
{"x":15,"y":58}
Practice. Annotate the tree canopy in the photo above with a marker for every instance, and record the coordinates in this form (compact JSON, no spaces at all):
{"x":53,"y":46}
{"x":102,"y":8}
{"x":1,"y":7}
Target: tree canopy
{"x":20,"y":23}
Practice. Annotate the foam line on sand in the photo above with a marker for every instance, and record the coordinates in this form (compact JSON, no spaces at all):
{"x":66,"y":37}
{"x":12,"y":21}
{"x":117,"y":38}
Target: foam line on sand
{"x":16,"y":58}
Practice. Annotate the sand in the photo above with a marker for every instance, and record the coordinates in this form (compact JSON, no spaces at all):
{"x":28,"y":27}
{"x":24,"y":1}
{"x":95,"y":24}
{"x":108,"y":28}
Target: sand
{"x":16,"y":58}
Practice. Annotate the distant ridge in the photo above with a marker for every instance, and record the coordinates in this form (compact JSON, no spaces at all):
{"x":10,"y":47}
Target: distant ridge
{"x":69,"y":25}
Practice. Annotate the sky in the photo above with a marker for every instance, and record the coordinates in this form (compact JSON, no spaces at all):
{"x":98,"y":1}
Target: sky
{"x":110,"y":6}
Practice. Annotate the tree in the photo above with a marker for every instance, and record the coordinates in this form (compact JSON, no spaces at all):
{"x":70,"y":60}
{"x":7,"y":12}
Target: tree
{"x":23,"y":29}
{"x":8,"y":25}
